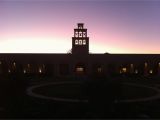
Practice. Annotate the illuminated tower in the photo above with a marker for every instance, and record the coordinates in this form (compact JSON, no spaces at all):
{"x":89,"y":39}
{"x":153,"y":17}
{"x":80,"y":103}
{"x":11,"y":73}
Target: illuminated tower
{"x":80,"y":41}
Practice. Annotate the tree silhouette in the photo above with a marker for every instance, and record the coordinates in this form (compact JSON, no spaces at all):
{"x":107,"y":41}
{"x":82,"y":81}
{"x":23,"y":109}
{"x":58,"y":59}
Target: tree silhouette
{"x":69,"y":51}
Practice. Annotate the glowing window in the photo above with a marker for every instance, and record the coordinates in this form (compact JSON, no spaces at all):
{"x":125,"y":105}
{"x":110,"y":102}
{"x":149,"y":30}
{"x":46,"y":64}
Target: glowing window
{"x":14,"y":64}
{"x":79,"y":69}
{"x":99,"y":69}
{"x":80,"y":42}
{"x":40,"y":70}
{"x":24,"y":71}
{"x":136,"y":71}
{"x":84,"y":34}
{"x":84,"y":42}
{"x":76,"y":42}
{"x":80,"y":34}
{"x":124,"y":70}
{"x":151,"y":71}
{"x":76,"y":34}
{"x":145,"y":64}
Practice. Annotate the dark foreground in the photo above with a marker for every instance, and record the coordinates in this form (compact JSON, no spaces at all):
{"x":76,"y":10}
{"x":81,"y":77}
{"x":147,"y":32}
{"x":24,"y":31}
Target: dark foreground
{"x":102,"y":96}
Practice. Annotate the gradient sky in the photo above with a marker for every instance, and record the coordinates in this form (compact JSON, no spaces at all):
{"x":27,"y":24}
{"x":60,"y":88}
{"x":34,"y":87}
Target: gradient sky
{"x":46,"y":26}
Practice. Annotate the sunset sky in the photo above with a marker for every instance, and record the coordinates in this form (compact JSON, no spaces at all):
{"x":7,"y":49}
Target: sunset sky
{"x":46,"y":26}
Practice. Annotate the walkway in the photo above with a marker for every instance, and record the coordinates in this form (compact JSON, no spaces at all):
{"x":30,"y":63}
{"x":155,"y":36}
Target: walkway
{"x":31,"y":93}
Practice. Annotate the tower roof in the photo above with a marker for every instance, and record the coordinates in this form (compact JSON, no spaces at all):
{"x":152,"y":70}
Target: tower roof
{"x":80,"y":25}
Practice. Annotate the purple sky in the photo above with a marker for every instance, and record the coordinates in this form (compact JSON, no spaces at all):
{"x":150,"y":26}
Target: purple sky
{"x":31,"y":26}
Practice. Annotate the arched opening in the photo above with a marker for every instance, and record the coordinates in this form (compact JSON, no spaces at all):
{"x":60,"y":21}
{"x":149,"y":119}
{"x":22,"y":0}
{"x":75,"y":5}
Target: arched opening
{"x":80,"y":69}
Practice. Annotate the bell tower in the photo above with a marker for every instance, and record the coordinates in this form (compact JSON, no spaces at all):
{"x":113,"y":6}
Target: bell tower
{"x":80,"y":41}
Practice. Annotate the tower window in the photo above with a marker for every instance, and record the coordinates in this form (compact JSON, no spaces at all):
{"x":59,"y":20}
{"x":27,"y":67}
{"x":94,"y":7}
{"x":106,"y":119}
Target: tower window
{"x":84,"y":42}
{"x":80,"y":25}
{"x":76,"y":42}
{"x":76,"y":34}
{"x":80,"y":42}
{"x":80,"y":34}
{"x":84,"y":34}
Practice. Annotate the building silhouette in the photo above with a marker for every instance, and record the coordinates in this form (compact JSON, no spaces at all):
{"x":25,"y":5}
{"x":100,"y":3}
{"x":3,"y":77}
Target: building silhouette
{"x":79,"y":62}
{"x":80,"y":41}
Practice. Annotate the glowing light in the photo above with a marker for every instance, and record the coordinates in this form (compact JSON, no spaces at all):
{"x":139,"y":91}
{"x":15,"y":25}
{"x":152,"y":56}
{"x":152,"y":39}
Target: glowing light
{"x":99,"y":69}
{"x":9,"y":70}
{"x":76,"y":42}
{"x":145,"y":64}
{"x":80,"y":69}
{"x":136,"y":71}
{"x":14,"y":64}
{"x":131,"y":68}
{"x":40,"y":71}
{"x":80,"y":42}
{"x":84,"y":42}
{"x":124,"y":69}
{"x":24,"y":71}
{"x":150,"y":71}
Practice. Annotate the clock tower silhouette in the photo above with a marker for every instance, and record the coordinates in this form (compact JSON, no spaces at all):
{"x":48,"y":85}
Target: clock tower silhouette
{"x":80,"y":41}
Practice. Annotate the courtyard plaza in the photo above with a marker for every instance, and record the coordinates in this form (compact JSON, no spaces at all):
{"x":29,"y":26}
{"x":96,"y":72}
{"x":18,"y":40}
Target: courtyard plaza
{"x":47,"y":97}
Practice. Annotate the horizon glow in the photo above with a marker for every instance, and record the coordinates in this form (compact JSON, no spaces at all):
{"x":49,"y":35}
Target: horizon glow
{"x":48,"y":26}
